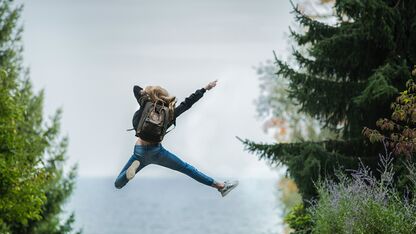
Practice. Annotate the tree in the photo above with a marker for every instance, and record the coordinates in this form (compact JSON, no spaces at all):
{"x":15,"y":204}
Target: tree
{"x":33,"y":185}
{"x":346,"y":79}
{"x":399,"y":132}
{"x":282,"y":115}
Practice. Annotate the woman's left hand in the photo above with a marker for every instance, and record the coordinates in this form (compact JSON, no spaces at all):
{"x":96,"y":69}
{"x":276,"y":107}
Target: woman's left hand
{"x":211,"y":85}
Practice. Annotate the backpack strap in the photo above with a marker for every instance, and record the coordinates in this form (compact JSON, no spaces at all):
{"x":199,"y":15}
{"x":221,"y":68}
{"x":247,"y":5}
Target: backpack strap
{"x":174,"y":126}
{"x":143,"y":99}
{"x":145,"y":112}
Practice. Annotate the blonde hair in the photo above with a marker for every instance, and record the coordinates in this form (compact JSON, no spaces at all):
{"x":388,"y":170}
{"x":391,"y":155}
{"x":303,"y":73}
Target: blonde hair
{"x":157,"y":94}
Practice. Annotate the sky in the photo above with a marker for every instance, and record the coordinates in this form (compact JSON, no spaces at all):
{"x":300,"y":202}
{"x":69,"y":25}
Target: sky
{"x":88,"y":54}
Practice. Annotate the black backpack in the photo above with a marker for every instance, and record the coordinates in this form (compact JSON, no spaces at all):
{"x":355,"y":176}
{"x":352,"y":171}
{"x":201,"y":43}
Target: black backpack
{"x":154,"y":121}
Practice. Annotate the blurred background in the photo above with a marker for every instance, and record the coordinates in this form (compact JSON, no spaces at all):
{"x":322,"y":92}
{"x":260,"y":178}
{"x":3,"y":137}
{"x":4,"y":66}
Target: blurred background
{"x":88,"y":55}
{"x":306,"y":87}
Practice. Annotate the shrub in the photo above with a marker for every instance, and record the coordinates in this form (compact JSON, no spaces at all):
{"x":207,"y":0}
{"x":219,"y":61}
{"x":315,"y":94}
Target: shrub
{"x":299,"y":219}
{"x":362,"y":203}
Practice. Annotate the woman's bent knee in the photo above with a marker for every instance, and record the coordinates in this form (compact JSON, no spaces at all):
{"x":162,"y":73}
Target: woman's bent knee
{"x":118,"y":185}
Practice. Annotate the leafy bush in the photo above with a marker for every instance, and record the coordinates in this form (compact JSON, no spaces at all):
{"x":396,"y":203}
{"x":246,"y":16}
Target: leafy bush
{"x":399,"y":132}
{"x":299,"y":219}
{"x":363,"y":203}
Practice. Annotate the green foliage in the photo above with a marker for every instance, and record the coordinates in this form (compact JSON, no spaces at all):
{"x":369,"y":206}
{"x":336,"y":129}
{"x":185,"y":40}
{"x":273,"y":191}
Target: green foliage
{"x":33,"y":184}
{"x":309,"y":161}
{"x":346,"y":76}
{"x":364,"y":204}
{"x":352,"y":70}
{"x":299,"y":219}
{"x":399,"y":132}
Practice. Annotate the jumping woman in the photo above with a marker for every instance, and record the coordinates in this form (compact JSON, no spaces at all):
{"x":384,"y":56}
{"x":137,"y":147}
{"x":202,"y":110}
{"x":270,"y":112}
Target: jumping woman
{"x":156,"y":114}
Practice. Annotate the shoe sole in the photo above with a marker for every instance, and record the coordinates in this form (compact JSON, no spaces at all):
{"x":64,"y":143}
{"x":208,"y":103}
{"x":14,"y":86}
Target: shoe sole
{"x":229,"y":190}
{"x":131,"y":171}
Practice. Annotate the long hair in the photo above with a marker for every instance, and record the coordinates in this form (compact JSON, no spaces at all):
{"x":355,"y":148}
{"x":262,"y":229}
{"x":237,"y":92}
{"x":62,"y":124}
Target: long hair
{"x":157,"y":93}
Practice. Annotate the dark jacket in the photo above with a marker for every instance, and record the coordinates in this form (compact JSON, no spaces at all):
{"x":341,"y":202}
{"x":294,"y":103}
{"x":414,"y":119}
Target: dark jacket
{"x":184,"y":106}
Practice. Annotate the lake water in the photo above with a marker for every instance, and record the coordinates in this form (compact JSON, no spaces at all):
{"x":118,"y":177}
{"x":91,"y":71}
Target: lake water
{"x":174,"y":206}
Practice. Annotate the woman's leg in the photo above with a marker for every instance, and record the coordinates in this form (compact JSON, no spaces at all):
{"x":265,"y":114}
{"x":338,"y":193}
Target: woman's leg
{"x":122,"y":177}
{"x":169,"y":160}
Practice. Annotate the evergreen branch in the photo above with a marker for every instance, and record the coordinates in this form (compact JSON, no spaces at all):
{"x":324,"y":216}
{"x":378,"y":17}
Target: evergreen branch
{"x":308,"y":161}
{"x":317,"y":95}
{"x":316,"y":30}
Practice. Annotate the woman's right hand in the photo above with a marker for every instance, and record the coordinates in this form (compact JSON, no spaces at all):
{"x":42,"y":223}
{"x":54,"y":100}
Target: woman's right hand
{"x":211,"y":85}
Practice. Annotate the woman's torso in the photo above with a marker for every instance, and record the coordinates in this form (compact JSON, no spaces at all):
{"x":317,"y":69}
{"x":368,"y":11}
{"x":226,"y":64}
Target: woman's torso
{"x":142,"y":99}
{"x":143,"y":142}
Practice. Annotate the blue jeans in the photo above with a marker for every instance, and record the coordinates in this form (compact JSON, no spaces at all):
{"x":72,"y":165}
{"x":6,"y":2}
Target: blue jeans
{"x":156,"y":154}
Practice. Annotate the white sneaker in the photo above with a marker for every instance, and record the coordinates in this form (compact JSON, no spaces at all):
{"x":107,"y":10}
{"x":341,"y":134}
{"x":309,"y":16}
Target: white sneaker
{"x":131,"y":171}
{"x":228,"y":186}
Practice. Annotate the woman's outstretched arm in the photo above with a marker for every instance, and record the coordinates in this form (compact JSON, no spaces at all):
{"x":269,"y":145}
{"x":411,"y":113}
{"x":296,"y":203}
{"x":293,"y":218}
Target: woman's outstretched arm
{"x":189,"y":101}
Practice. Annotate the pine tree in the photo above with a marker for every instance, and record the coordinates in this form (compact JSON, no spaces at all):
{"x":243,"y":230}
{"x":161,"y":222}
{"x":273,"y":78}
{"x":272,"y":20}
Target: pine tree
{"x":33,"y":185}
{"x":347,"y":79}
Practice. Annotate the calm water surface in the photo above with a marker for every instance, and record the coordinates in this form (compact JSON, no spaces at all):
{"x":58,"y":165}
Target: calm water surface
{"x":174,"y":206}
